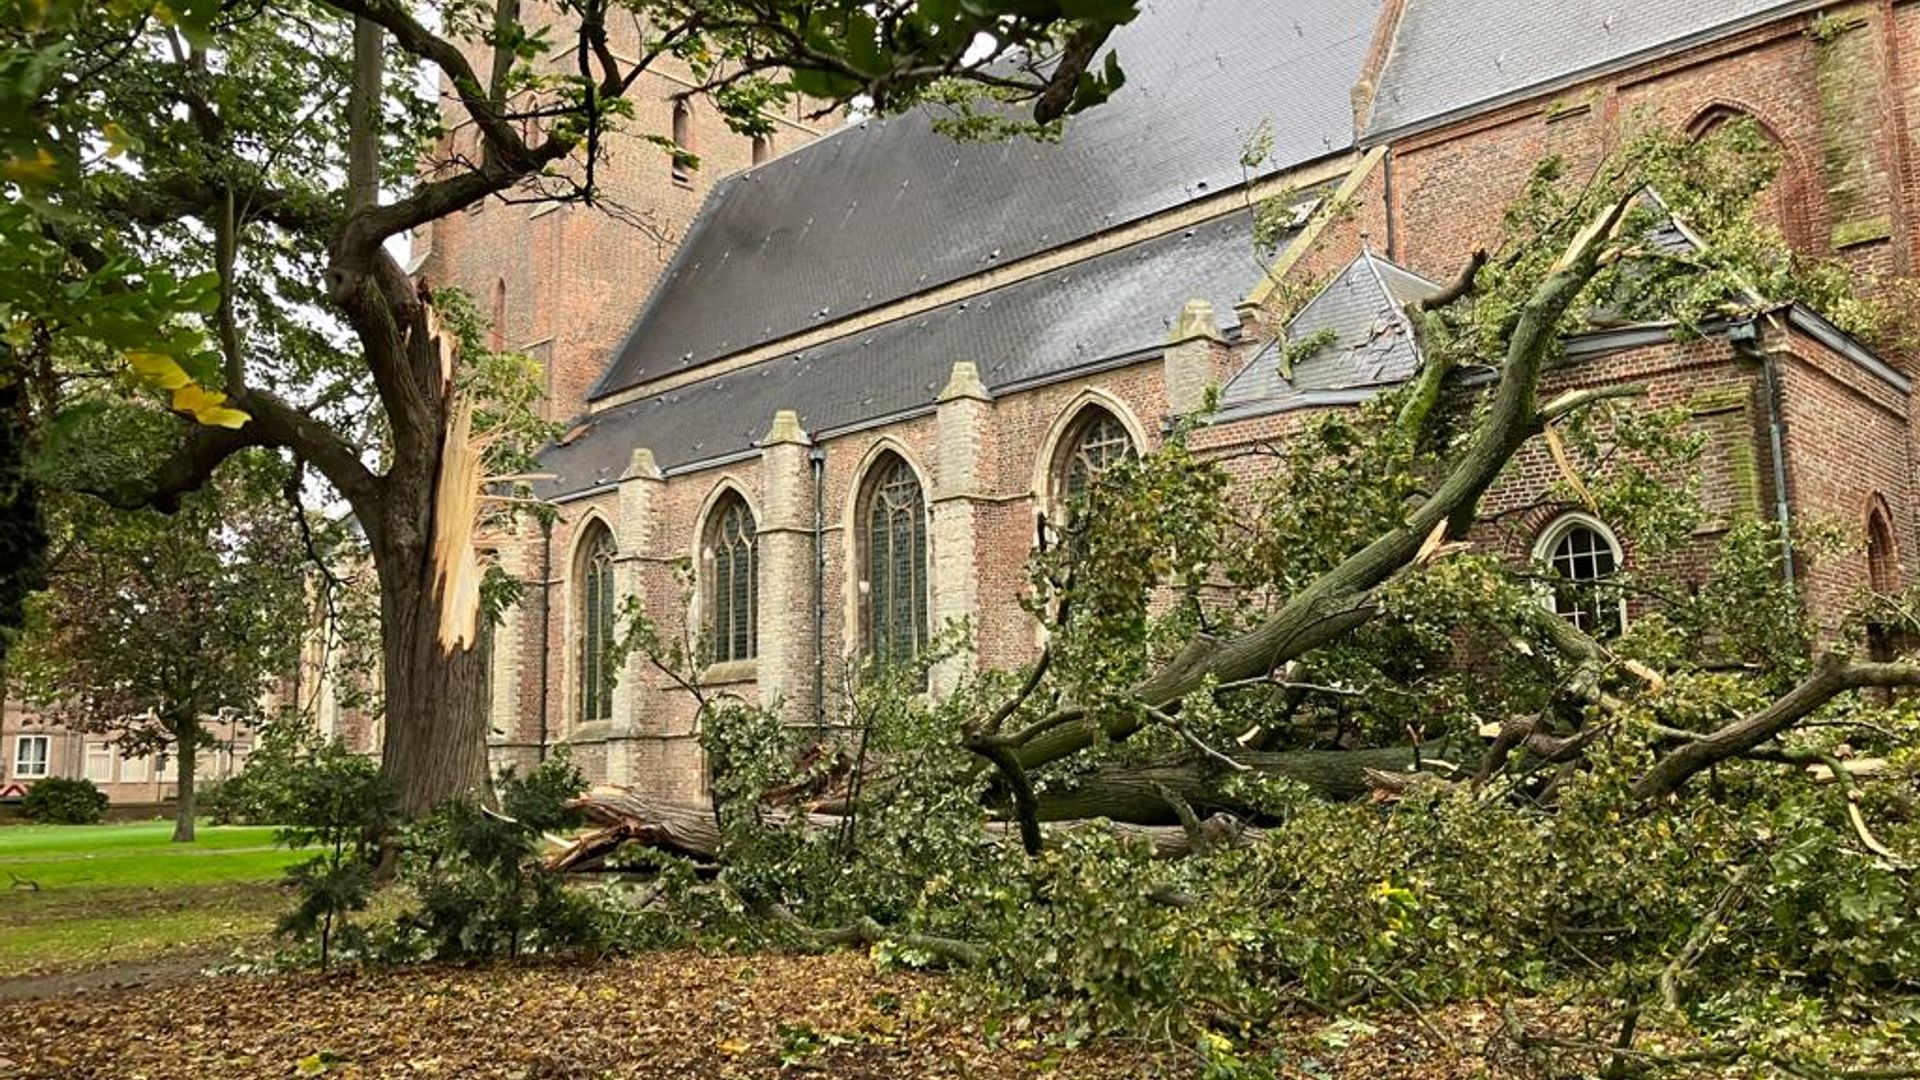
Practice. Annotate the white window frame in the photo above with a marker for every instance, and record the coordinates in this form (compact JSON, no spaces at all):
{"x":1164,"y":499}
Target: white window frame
{"x":1550,"y":538}
{"x":98,"y":752}
{"x":20,"y":743}
{"x":135,"y":770}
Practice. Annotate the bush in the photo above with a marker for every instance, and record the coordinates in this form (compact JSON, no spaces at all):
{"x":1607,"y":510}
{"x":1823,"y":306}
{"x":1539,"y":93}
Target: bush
{"x":58,"y":800}
{"x":338,"y":802}
{"x":263,"y":792}
{"x":482,"y":888}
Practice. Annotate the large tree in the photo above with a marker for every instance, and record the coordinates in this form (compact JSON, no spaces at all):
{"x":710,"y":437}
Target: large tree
{"x":151,"y":626}
{"x":270,"y":152}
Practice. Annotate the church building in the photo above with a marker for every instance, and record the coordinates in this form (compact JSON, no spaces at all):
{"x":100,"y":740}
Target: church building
{"x":817,"y":393}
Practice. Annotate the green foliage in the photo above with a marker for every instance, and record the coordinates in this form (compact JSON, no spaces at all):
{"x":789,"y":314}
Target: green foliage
{"x":23,"y":532}
{"x":62,"y":800}
{"x":267,"y":789}
{"x":481,"y":888}
{"x":338,"y":803}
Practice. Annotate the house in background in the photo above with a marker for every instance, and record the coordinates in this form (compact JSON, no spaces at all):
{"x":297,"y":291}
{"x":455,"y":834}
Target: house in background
{"x":36,"y":749}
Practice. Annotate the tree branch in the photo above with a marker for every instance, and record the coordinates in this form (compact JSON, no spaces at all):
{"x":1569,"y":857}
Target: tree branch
{"x":1832,"y":675}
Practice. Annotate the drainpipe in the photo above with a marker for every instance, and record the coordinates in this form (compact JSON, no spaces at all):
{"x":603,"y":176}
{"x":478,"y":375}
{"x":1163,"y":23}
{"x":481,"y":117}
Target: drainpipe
{"x":818,"y":458}
{"x":1745,"y":338}
{"x":1386,"y":196}
{"x":546,"y":628}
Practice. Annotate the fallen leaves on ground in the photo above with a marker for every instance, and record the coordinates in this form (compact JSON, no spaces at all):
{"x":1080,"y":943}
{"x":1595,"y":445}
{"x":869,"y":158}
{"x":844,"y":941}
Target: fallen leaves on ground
{"x":674,"y":1014}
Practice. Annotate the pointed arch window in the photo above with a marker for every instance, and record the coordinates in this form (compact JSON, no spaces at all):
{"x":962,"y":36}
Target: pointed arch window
{"x":733,"y":587}
{"x":596,"y":609}
{"x":1583,"y":557}
{"x":1095,"y":443}
{"x":1882,"y":578}
{"x":893,"y":562}
{"x":682,"y":141}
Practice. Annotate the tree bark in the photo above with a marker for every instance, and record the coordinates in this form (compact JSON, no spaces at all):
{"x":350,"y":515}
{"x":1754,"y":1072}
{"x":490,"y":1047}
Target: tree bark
{"x":436,"y":741}
{"x":691,"y":830}
{"x":187,"y":745}
{"x":1137,"y":793}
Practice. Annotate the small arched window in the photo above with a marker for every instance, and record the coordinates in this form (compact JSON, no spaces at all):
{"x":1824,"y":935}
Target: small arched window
{"x":596,"y":608}
{"x":1095,"y":442}
{"x":762,"y":148}
{"x":682,"y":141}
{"x":1583,"y":557}
{"x":1883,"y":579}
{"x":1880,"y":561}
{"x":733,"y":588}
{"x":893,"y":562}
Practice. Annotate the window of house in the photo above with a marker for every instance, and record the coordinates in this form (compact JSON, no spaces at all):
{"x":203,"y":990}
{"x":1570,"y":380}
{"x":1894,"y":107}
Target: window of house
{"x":31,"y":755}
{"x":1583,"y":556}
{"x":133,"y":770}
{"x":733,"y":591}
{"x":682,"y":141}
{"x":1096,"y":441}
{"x":596,"y":608}
{"x":893,"y":563}
{"x":100,"y":762}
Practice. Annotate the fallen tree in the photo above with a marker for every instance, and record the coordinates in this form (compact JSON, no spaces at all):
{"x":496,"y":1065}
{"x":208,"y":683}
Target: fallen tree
{"x":620,"y":817}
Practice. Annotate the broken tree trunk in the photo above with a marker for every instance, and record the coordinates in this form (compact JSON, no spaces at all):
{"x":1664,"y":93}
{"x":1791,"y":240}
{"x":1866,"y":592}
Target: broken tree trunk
{"x":622,"y":818}
{"x":1137,"y":793}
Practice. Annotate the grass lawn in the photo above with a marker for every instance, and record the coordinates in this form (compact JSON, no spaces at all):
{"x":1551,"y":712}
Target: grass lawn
{"x":83,"y":895}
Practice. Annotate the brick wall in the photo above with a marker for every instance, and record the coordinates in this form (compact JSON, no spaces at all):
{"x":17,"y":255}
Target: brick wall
{"x":1832,"y":101}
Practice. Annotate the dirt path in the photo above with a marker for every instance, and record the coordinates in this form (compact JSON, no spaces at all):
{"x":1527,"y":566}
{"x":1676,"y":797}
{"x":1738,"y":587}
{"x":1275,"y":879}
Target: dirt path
{"x":157,"y":971}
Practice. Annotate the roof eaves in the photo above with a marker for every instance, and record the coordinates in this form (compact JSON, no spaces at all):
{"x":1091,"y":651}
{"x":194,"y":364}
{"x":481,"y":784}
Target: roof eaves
{"x":1816,"y":326}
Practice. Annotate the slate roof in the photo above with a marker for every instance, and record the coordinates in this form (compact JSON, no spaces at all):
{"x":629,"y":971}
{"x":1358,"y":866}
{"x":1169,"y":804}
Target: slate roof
{"x":1449,"y":56}
{"x":888,"y":208}
{"x":1371,"y":343}
{"x":1116,"y":306}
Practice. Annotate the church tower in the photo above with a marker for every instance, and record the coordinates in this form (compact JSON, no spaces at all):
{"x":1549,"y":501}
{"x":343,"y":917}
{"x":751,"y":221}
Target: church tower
{"x":562,"y":281}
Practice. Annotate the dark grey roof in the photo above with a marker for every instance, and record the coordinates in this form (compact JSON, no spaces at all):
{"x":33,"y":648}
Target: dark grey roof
{"x":889,"y":208}
{"x":1370,"y":342}
{"x":1450,"y":55}
{"x":1117,"y":305}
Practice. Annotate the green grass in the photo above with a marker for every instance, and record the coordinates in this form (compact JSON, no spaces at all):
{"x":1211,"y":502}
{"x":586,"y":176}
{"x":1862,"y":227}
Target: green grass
{"x":82,"y":895}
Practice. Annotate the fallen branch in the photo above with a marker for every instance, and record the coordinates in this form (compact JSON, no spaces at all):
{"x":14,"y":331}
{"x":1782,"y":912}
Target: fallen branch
{"x":866,"y":931}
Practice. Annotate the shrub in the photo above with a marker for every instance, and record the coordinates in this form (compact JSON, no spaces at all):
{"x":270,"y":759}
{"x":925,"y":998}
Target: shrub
{"x":263,"y":792}
{"x":482,"y":888}
{"x":338,"y":802}
{"x":58,"y":800}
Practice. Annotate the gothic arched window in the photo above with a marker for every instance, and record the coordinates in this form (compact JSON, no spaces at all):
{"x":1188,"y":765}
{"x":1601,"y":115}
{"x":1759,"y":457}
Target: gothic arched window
{"x":682,"y":141}
{"x":595,"y":607}
{"x":1882,"y":578}
{"x":1095,"y":442}
{"x":893,"y":562}
{"x":1583,"y":556}
{"x":733,"y":588}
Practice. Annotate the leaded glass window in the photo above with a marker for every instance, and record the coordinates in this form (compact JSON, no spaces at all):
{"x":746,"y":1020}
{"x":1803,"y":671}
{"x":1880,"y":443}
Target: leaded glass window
{"x":894,"y":563}
{"x":1583,"y":558}
{"x":596,"y":624}
{"x":733,"y":589}
{"x":1097,"y":442}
